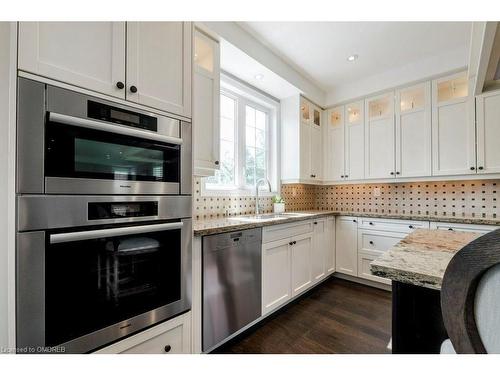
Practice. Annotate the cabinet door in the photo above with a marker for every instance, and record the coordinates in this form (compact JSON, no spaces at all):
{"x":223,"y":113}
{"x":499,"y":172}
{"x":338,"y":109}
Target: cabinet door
{"x":355,"y":141}
{"x":276,"y":278}
{"x":330,"y":245}
{"x":319,"y":250}
{"x":379,"y":136}
{"x":413,"y":131}
{"x":316,"y":148}
{"x":170,"y":337}
{"x":301,"y":263}
{"x":305,"y":151}
{"x":159,"y":65}
{"x":206,"y":105}
{"x":335,"y":145}
{"x":90,"y":55}
{"x":488,"y":132}
{"x":346,"y":246}
{"x":453,"y":130}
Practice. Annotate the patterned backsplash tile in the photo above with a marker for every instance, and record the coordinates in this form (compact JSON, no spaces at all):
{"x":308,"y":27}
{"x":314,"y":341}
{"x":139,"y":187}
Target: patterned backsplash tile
{"x":478,"y":198}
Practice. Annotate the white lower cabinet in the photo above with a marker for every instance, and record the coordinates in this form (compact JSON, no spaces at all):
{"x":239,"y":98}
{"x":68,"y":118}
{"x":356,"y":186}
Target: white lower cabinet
{"x":463,"y":227}
{"x":276,"y":274}
{"x":319,"y":249}
{"x":346,"y":245}
{"x":171,"y":337}
{"x":371,"y":245}
{"x":330,"y":246}
{"x":295,"y":257}
{"x":301,"y":248}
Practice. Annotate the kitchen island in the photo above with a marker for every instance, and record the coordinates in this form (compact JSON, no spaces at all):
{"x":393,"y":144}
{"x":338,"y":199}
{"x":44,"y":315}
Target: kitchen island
{"x":416,"y":266}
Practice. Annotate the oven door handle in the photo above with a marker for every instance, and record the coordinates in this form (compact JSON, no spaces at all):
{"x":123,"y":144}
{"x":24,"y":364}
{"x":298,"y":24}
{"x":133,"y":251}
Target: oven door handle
{"x":112,"y":232}
{"x":117,"y":129}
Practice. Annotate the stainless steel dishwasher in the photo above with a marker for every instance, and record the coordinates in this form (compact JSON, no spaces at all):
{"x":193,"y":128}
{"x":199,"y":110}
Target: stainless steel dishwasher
{"x":232,"y":283}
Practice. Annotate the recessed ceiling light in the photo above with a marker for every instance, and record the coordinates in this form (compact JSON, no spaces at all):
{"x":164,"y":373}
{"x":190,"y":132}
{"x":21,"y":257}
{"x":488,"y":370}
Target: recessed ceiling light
{"x":259,"y":77}
{"x":352,"y":58}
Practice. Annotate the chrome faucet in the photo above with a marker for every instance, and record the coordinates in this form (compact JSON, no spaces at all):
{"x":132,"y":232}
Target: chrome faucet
{"x":259,"y":182}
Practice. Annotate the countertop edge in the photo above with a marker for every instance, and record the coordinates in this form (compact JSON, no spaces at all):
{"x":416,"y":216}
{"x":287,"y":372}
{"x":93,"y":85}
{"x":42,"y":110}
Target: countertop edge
{"x":313,"y":215}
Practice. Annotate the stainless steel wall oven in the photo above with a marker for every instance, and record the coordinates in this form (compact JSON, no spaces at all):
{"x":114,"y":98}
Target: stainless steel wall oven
{"x":103,"y":219}
{"x":94,"y":269}
{"x":70,"y":143}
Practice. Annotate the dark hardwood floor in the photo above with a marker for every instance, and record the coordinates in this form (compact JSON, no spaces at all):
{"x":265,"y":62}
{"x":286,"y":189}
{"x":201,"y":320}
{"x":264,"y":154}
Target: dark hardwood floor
{"x":337,"y":317}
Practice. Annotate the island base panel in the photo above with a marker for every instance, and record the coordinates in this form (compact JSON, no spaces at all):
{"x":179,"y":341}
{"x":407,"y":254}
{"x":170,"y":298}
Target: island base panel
{"x":417,"y":323}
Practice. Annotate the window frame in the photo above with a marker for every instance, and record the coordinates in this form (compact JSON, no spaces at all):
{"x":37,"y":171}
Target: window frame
{"x":246,"y":95}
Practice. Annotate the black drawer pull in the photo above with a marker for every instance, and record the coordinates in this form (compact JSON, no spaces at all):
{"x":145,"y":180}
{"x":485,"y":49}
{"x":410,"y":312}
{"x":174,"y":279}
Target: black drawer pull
{"x":370,"y":223}
{"x":120,"y":85}
{"x":371,"y":242}
{"x":167,"y":348}
{"x":315,"y":223}
{"x":450,"y":228}
{"x":133,"y":89}
{"x":354,"y":221}
{"x":411,"y":226}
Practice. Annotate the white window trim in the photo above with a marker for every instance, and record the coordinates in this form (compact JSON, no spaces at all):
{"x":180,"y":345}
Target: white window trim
{"x":246,"y":95}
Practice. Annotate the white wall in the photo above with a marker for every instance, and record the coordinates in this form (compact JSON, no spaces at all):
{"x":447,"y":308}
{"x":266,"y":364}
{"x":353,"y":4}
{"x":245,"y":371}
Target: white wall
{"x":7,"y":174}
{"x":240,"y":38}
{"x":419,"y":70}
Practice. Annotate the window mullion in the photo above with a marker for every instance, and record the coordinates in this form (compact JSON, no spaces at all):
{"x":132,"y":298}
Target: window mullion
{"x":241,"y":142}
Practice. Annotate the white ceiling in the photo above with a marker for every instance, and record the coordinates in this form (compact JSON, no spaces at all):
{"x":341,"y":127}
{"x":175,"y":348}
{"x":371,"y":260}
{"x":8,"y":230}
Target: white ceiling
{"x":319,"y":50}
{"x":235,"y":61}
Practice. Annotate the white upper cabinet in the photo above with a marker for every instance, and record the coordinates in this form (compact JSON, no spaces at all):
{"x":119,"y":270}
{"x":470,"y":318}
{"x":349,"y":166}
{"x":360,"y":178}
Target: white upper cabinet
{"x":316,"y":143}
{"x":379,"y":136}
{"x":301,"y":141}
{"x":335,"y":151}
{"x":453,"y":130}
{"x":413,"y":131}
{"x":159,"y":65}
{"x":90,"y":55}
{"x":488,"y":132}
{"x":206,"y":105}
{"x":355,"y":141}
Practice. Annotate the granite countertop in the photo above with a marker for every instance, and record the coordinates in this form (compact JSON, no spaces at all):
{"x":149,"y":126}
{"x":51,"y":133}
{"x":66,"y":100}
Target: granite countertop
{"x":203,"y":227}
{"x":232,"y":223}
{"x":421,"y":257}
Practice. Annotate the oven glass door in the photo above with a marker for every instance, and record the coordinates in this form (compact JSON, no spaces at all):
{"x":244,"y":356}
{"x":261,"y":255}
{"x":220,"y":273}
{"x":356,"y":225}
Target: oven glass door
{"x":77,"y":152}
{"x":94,"y":283}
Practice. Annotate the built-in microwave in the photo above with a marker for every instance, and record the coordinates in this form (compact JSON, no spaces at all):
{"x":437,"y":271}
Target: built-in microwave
{"x":71,"y":143}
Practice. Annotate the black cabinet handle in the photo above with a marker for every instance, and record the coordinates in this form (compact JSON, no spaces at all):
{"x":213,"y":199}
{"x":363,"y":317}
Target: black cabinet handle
{"x":167,"y":348}
{"x":472,"y":168}
{"x":346,"y":176}
{"x":371,"y":242}
{"x":315,"y":223}
{"x":120,"y":85}
{"x":370,"y":223}
{"x":392,"y":173}
{"x":481,"y":168}
{"x":342,"y":176}
{"x":217,"y":162}
{"x":450,"y":228}
{"x":294,"y":242}
{"x":411,"y":226}
{"x":133,"y":89}
{"x":290,"y":243}
{"x":398,"y":172}
{"x":354,"y":221}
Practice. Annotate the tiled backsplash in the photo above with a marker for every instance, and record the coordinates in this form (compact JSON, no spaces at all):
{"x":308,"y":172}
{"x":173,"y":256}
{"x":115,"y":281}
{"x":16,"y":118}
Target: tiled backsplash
{"x":477,"y":198}
{"x":220,"y":206}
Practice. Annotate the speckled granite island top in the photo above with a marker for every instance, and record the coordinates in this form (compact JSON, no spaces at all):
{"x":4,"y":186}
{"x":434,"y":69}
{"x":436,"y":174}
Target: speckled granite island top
{"x":421,"y":257}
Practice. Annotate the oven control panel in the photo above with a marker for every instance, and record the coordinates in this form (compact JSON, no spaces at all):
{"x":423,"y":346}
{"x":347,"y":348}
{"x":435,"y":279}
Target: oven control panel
{"x":117,"y":210}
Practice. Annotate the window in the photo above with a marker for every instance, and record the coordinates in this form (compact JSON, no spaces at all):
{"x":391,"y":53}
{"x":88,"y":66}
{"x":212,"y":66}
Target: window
{"x":248,"y":129}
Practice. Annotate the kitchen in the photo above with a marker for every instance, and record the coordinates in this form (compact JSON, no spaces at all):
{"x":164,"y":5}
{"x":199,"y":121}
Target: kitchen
{"x":226,"y":187}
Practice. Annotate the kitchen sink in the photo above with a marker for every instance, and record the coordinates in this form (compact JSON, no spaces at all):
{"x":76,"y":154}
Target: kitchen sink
{"x":264,"y":217}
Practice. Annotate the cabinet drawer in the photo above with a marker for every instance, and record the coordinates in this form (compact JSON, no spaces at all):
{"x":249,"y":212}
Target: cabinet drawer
{"x":464,"y":227}
{"x":403,"y":226}
{"x":379,"y":241}
{"x":171,"y":337}
{"x":279,"y":232}
{"x":364,"y":260}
